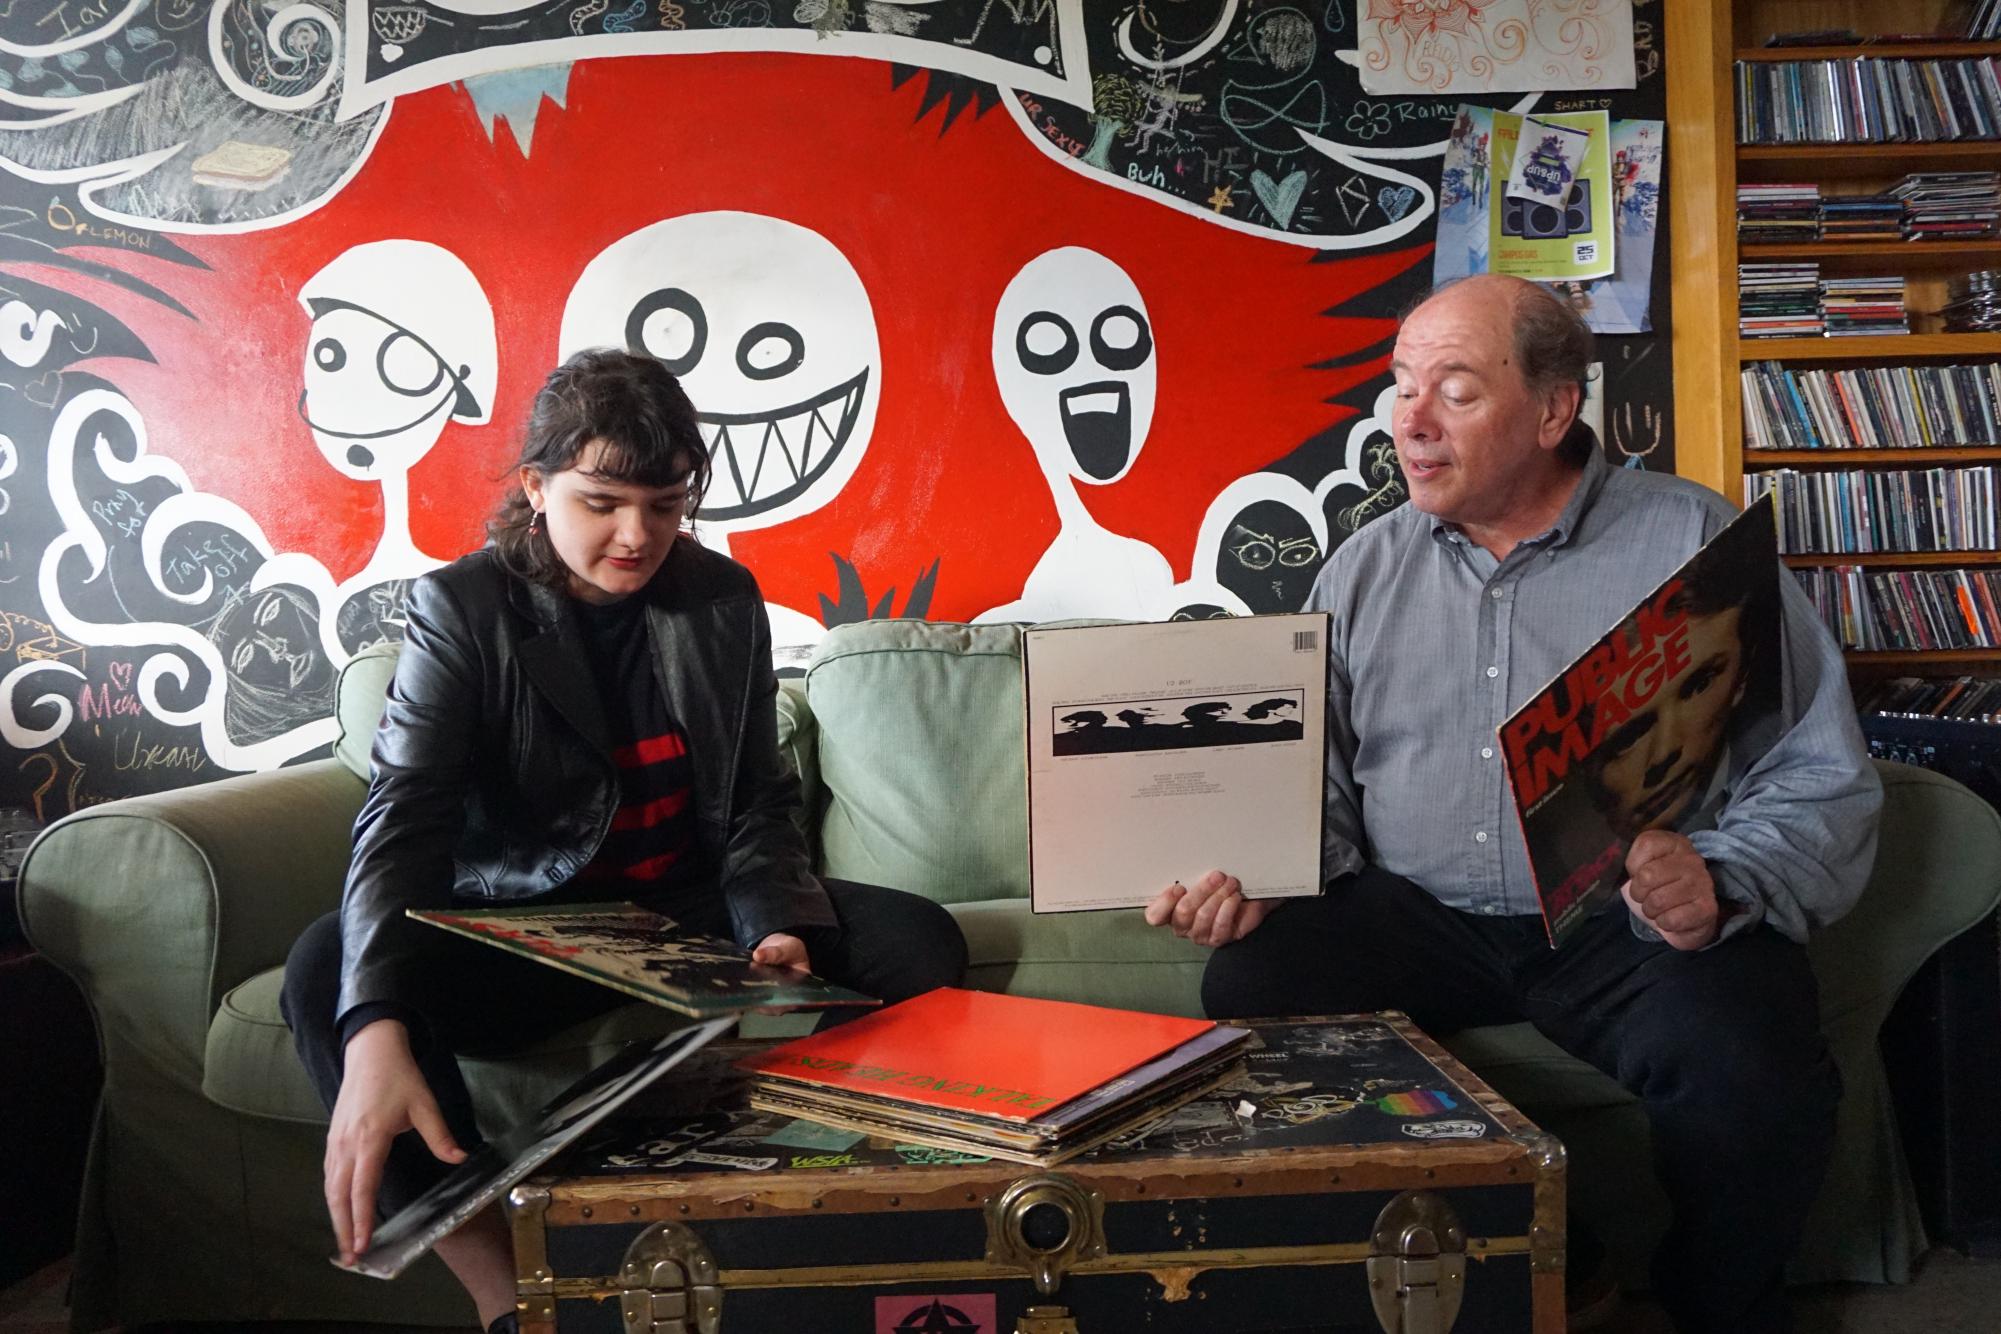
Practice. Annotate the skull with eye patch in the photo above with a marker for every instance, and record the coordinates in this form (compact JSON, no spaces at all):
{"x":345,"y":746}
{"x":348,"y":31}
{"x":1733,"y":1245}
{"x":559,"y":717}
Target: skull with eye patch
{"x":772,"y":335}
{"x":1074,"y":357}
{"x":402,"y":342}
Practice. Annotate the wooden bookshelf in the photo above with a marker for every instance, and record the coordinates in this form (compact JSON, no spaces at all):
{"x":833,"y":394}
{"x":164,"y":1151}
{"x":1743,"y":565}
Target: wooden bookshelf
{"x":1893,"y":559}
{"x":1706,"y":164}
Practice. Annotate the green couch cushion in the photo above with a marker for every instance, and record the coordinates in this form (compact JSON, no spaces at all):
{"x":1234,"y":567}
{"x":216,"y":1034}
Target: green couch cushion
{"x":359,"y":700}
{"x":250,"y":1065}
{"x":1098,"y":958}
{"x":921,"y":758}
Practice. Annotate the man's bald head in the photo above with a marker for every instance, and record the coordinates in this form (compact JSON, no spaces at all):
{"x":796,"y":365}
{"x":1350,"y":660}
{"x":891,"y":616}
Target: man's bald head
{"x":1553,"y":346}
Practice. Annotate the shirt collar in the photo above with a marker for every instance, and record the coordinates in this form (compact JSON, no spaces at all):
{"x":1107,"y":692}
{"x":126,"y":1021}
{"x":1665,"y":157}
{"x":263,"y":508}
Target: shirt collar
{"x":1596,"y":470}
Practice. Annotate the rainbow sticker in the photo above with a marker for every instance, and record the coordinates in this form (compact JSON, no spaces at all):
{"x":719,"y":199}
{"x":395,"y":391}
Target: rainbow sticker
{"x":1422,"y":1102}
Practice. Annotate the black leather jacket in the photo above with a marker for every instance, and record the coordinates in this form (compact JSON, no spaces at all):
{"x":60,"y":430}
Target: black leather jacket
{"x":491,"y":777}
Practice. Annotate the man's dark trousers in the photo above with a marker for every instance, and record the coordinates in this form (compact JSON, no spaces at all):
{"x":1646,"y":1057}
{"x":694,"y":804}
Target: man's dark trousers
{"x":1722,"y":1045}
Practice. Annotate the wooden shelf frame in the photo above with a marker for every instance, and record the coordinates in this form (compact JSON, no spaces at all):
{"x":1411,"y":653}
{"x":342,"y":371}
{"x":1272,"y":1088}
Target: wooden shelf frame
{"x":1916,"y":657}
{"x":1872,"y":347}
{"x":1861,"y":256}
{"x":1894,"y":560}
{"x":1794,"y":162}
{"x":1913,"y":456}
{"x":1942,"y":50}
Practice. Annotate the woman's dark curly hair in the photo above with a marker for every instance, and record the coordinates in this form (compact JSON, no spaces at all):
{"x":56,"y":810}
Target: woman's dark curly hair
{"x":651,"y":437}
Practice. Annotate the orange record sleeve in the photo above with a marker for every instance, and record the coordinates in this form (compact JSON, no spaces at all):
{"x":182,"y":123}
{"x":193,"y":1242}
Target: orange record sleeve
{"x":1009,"y":1057}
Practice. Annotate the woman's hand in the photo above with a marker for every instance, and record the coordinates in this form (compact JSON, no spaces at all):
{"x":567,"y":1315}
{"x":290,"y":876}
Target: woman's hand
{"x":782,"y":951}
{"x":382,"y":1094}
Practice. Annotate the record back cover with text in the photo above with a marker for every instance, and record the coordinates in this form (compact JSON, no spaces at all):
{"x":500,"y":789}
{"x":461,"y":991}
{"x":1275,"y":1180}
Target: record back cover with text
{"x":1158,"y":751}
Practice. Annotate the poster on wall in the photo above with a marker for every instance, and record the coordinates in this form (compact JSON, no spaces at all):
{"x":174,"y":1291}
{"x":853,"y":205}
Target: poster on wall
{"x":1476,"y":221}
{"x":1456,"y":46}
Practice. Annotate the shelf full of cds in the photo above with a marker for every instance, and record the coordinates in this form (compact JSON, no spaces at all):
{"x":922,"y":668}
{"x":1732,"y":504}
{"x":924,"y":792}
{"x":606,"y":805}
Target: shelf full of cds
{"x":1868,"y":99}
{"x":1883,"y":510}
{"x":1912,"y":406}
{"x":1925,"y":611}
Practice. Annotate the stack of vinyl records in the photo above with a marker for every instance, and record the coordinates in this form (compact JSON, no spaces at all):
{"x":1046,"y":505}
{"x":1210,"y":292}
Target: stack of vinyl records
{"x":1857,"y":306}
{"x":1951,"y":205}
{"x":1973,"y":303}
{"x":1778,"y":300}
{"x":1862,"y":218}
{"x":1778,"y":213}
{"x":1030,"y":1081}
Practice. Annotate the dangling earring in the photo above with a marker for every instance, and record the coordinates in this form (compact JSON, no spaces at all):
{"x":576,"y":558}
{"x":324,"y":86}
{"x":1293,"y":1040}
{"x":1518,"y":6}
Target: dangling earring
{"x":535,"y":522}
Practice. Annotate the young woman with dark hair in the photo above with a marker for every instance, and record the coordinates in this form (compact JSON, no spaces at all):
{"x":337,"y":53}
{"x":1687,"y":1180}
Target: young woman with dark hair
{"x":584,"y":710}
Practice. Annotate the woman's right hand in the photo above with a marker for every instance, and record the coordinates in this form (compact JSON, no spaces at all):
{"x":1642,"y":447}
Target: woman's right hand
{"x":382,"y":1094}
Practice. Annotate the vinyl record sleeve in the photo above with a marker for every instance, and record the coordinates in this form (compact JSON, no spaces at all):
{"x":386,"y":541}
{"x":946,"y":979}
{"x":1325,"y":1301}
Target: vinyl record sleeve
{"x":1646,"y":728}
{"x":1160,"y":751}
{"x":506,"y":1159}
{"x":646,"y":955}
{"x":1013,"y":1058}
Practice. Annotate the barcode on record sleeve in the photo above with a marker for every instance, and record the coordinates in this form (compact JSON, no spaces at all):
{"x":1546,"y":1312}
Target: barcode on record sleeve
{"x":1305,"y":641}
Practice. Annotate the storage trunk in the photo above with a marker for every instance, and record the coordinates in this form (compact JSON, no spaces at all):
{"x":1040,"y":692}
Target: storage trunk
{"x":1356,"y":1178}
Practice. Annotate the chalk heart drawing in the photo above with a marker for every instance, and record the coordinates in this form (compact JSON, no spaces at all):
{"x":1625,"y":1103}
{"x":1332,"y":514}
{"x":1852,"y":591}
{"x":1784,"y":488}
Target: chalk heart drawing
{"x":121,"y":679}
{"x":1281,"y":198}
{"x":1395,"y":201}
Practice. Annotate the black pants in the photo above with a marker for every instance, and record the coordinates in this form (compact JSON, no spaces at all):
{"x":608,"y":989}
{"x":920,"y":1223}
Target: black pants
{"x":889,"y":944}
{"x":1722,"y":1045}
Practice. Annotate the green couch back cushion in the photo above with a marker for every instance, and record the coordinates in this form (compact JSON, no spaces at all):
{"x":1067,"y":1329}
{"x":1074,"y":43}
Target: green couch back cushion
{"x":921,"y":757}
{"x":362,"y":695}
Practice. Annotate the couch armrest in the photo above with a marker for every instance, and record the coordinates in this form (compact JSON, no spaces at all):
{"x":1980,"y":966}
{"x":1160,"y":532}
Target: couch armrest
{"x":158,"y":905}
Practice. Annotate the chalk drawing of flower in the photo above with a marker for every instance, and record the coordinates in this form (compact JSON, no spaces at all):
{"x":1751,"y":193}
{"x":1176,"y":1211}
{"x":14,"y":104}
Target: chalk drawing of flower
{"x":1367,"y":119}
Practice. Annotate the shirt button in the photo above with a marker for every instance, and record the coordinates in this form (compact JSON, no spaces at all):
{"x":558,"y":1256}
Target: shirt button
{"x":1495,"y":594}
{"x":1480,"y":837}
{"x":1493,"y":671}
{"x":1486,"y":752}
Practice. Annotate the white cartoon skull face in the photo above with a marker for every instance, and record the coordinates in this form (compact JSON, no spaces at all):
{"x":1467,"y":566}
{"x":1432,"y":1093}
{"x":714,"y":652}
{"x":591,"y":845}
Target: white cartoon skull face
{"x":1074,"y":358}
{"x":402,"y":342}
{"x":771,"y":333}
{"x":1444,"y":1129}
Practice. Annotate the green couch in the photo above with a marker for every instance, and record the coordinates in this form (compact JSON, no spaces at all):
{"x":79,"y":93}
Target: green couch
{"x":174,"y":912}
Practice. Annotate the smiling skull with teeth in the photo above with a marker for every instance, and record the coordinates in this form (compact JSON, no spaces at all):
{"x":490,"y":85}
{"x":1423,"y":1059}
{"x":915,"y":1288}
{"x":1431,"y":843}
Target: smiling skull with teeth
{"x":771,"y":333}
{"x":1074,"y":358}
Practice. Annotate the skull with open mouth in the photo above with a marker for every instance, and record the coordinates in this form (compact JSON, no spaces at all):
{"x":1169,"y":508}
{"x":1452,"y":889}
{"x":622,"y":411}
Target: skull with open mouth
{"x":771,"y":333}
{"x":1073,"y":352}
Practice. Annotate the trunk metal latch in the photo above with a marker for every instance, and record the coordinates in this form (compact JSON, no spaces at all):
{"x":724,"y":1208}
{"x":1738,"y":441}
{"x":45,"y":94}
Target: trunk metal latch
{"x":668,"y":1283}
{"x":1417,"y":1265}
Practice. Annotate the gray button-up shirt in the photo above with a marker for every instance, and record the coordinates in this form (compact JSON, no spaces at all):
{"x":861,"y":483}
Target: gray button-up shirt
{"x":1435,"y":643}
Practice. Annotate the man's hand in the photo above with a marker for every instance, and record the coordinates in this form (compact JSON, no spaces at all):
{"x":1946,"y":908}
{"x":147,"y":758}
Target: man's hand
{"x":782,"y":951}
{"x":382,"y":1094}
{"x":1670,"y":889}
{"x":1212,"y":911}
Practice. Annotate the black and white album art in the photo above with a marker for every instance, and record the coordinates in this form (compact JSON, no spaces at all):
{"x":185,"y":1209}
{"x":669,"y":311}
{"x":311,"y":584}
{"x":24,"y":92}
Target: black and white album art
{"x":1183,"y":722}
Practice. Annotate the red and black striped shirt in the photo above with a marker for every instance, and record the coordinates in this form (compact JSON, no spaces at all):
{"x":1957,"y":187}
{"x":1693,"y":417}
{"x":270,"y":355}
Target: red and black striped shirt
{"x":650,"y":846}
